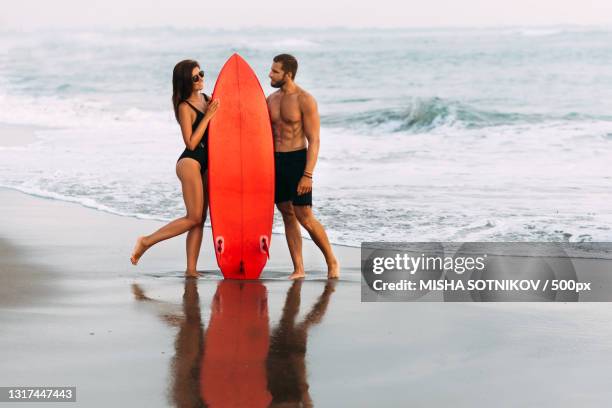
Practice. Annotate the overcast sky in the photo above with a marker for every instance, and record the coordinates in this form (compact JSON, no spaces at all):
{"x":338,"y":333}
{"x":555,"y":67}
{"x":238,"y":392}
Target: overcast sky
{"x":34,"y":14}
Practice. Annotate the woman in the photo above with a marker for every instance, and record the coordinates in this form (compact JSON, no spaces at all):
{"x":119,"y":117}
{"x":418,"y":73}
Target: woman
{"x":193,"y":111}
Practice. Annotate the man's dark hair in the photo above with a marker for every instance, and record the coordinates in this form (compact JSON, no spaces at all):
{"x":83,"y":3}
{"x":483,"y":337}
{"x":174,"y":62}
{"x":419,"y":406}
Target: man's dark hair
{"x":289,"y":64}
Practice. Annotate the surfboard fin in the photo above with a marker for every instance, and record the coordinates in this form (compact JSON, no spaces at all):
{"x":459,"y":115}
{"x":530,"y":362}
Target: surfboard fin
{"x":219,"y":245}
{"x":264,"y":245}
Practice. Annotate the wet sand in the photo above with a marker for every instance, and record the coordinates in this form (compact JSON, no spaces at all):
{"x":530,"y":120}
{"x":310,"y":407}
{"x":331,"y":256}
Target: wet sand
{"x":75,"y":312}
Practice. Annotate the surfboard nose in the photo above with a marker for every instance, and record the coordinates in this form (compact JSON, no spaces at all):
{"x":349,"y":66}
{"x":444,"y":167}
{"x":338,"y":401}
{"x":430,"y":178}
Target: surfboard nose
{"x":236,"y":57}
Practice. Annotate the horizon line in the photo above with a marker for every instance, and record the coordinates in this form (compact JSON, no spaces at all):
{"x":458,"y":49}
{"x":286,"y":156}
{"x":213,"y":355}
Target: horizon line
{"x":208,"y":28}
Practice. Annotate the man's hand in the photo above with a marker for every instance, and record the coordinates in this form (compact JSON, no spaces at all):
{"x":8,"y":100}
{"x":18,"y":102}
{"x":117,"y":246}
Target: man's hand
{"x":304,"y":186}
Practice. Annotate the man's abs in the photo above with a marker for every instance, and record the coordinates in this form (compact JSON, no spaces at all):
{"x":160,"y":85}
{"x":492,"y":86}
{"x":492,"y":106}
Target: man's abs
{"x":288,"y":139}
{"x":287,"y":123}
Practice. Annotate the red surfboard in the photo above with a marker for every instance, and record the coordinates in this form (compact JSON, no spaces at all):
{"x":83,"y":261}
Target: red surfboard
{"x":241,"y":172}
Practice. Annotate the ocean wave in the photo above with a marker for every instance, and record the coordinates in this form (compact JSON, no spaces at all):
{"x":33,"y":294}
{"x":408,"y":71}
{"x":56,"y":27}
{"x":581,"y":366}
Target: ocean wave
{"x":424,"y":114}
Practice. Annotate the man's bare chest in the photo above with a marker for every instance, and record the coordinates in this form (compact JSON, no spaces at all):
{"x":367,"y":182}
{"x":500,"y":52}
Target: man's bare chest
{"x":286,"y":110}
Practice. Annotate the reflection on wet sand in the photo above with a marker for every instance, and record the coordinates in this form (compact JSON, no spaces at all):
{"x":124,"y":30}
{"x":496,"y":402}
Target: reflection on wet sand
{"x":235,"y":362}
{"x":233,"y":372}
{"x":286,"y":363}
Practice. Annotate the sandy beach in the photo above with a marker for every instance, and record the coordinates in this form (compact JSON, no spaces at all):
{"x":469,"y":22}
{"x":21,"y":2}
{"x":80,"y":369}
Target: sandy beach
{"x":75,"y":312}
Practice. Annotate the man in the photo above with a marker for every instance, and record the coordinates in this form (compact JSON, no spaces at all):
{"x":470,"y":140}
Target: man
{"x":295,"y":125}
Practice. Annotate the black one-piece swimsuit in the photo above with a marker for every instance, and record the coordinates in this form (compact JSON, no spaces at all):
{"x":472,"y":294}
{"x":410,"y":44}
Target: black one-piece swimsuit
{"x":200,"y":153}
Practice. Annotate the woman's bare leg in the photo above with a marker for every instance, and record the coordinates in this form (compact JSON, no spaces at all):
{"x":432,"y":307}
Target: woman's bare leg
{"x":188,"y":171}
{"x":194,"y":235}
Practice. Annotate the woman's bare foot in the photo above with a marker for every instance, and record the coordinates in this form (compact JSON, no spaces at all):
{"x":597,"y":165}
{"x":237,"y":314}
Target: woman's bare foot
{"x":139,"y":293}
{"x":139,"y":249}
{"x":297,"y":275}
{"x":192,"y":274}
{"x":333,"y":269}
{"x":173,"y":320}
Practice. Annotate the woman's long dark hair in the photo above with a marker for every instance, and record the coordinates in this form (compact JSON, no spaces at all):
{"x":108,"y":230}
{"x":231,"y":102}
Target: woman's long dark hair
{"x":182,"y":84}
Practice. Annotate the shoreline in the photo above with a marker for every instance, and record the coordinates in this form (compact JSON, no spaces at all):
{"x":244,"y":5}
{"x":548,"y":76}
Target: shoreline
{"x":77,"y":201}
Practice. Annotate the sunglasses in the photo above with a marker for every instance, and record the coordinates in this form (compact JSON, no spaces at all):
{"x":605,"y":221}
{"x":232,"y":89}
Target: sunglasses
{"x":197,"y":78}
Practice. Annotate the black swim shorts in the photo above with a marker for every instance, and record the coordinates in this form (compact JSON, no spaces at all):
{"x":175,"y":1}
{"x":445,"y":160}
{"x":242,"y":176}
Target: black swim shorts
{"x":289,"y":169}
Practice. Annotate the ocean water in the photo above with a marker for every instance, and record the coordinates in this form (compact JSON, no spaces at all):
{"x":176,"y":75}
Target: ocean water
{"x":445,"y":134}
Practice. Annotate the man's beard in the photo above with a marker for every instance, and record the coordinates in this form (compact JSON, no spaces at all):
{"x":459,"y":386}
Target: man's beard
{"x":277,"y":84}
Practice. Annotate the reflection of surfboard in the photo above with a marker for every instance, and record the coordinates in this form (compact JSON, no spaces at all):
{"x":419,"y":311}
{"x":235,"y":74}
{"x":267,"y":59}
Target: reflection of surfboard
{"x":233,"y":369}
{"x":241,"y":172}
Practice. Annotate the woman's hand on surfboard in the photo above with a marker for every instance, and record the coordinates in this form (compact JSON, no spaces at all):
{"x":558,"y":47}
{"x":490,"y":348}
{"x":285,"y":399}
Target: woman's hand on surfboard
{"x":212,"y":108}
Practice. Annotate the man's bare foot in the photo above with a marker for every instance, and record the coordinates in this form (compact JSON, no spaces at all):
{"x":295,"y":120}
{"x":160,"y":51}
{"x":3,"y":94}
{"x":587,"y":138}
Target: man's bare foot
{"x":297,"y":275}
{"x":192,"y":274}
{"x":139,"y":249}
{"x":333,"y":269}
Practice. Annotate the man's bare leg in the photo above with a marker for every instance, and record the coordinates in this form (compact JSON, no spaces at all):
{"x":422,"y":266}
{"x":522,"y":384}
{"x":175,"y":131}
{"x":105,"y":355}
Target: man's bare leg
{"x":294,"y":238}
{"x":316,"y":231}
